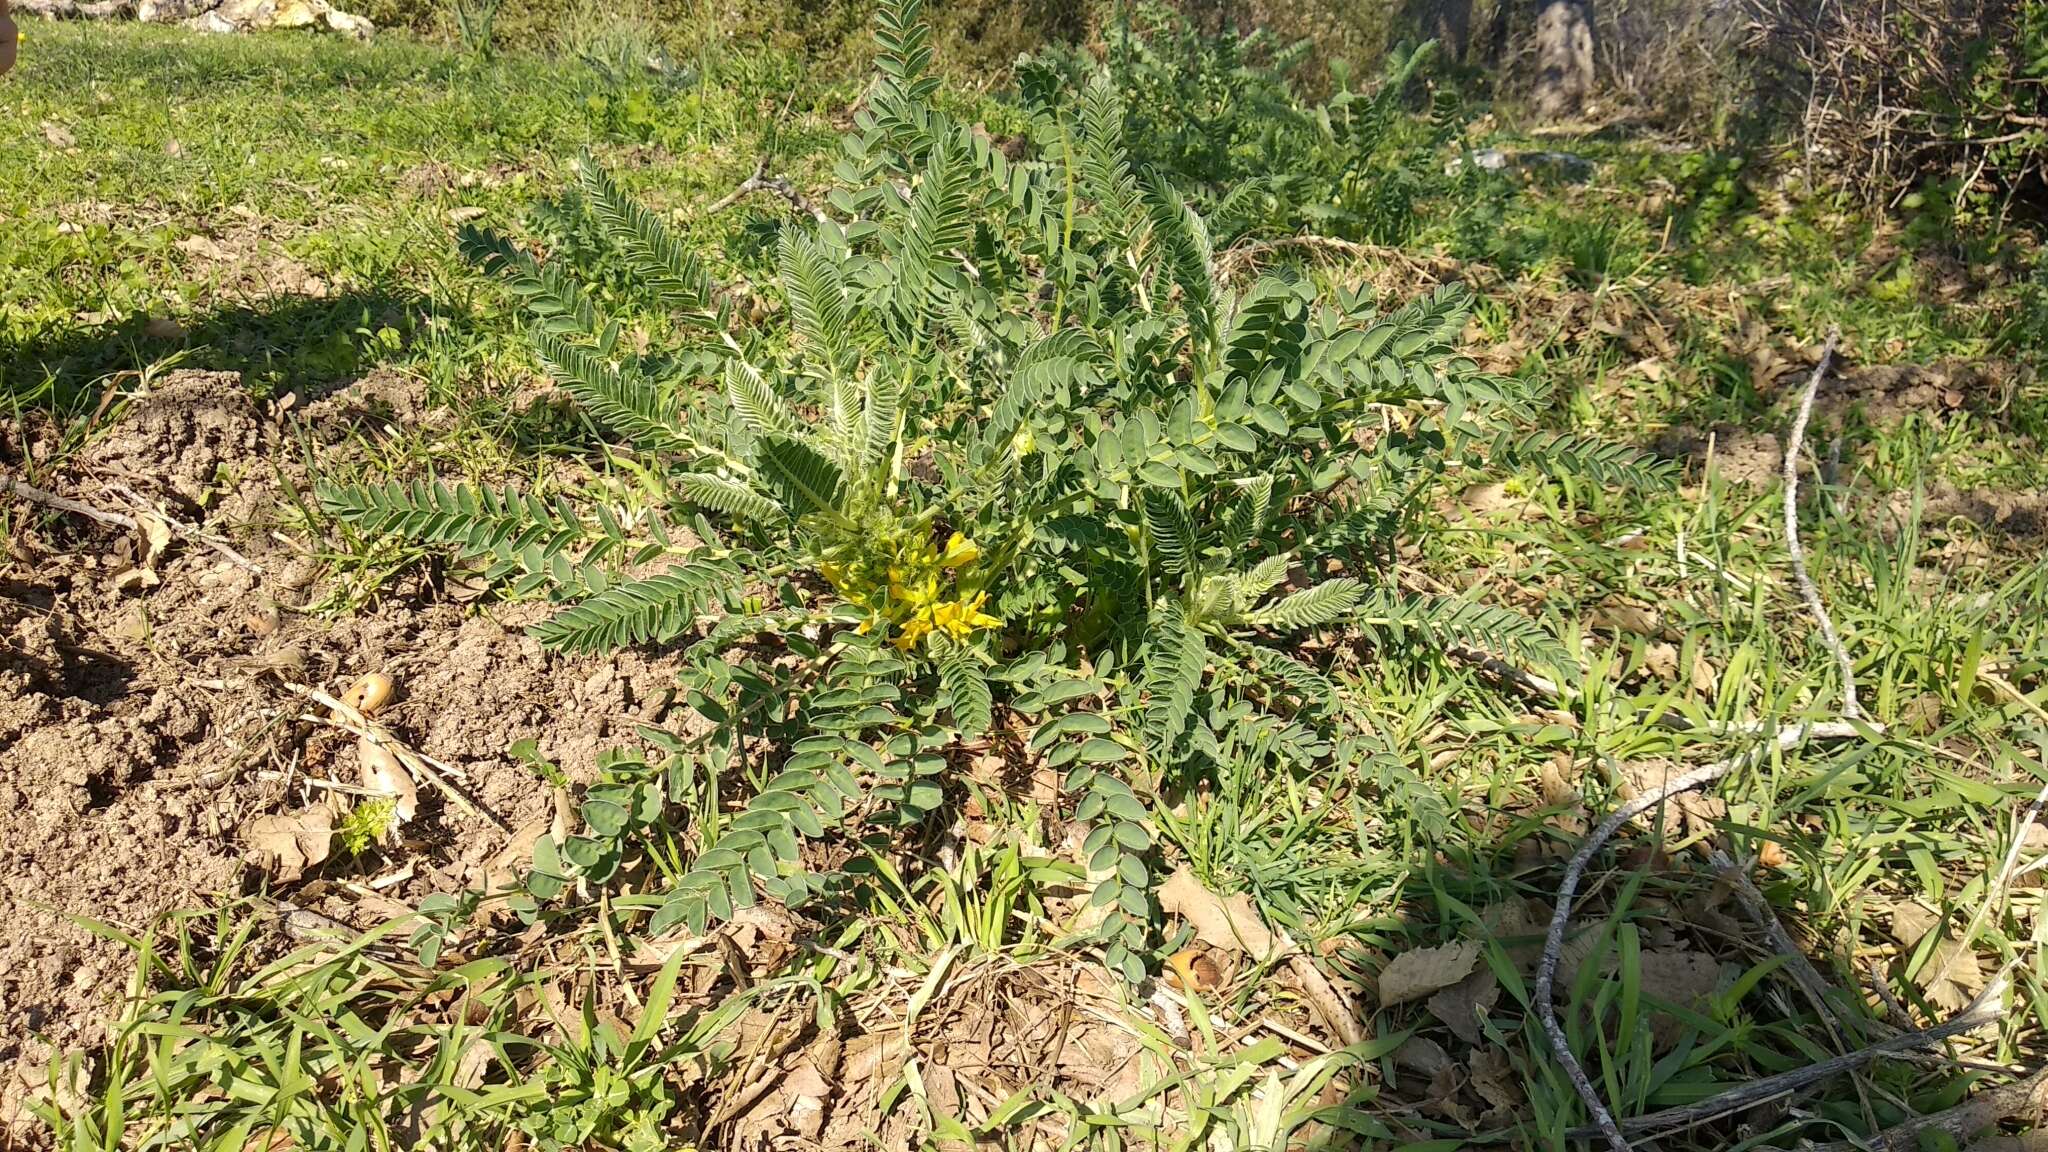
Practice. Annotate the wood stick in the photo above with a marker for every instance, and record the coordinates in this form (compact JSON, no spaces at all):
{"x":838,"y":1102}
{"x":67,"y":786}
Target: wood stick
{"x":1819,"y":611}
{"x":1981,"y":1012}
{"x":2025,"y":1099}
{"x":1604,"y":1124}
{"x":422,"y":767}
{"x":760,"y":181}
{"x":35,"y":495}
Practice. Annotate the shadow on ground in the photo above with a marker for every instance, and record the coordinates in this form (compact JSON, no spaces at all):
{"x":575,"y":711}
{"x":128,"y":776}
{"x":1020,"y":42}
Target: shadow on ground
{"x":307,"y":344}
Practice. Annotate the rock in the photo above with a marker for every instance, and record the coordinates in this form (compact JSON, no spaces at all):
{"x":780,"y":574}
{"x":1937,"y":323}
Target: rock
{"x":171,"y":11}
{"x":211,"y":15}
{"x":261,"y":15}
{"x":1565,"y":166}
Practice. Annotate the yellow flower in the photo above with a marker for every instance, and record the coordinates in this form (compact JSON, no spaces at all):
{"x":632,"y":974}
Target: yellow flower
{"x":914,"y":630}
{"x":960,"y":551}
{"x":959,"y":618}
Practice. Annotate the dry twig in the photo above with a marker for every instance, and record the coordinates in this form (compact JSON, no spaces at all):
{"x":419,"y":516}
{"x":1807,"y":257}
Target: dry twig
{"x":1979,"y":1013}
{"x":1850,"y":709}
{"x":1604,"y":1123}
{"x":421,"y":766}
{"x":2024,"y":1099}
{"x":35,"y":495}
{"x":1243,"y":256}
{"x":760,"y":181}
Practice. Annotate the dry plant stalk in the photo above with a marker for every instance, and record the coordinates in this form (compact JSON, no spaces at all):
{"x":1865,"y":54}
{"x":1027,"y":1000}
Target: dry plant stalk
{"x":422,"y":767}
{"x":1983,"y":1010}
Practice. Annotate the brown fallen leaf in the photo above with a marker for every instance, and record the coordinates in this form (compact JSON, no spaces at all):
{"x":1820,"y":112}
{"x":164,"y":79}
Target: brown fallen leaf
{"x":1681,"y":978}
{"x":1422,"y":1055}
{"x":1421,"y":971}
{"x":1952,"y":975}
{"x":1229,"y":923}
{"x":1705,"y":681}
{"x":1494,"y":1078}
{"x":286,"y":844}
{"x":1463,"y":1006}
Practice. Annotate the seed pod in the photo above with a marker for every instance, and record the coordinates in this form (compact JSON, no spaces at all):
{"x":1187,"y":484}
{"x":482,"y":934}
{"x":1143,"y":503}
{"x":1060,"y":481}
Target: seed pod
{"x":384,"y":775}
{"x":369,"y":693}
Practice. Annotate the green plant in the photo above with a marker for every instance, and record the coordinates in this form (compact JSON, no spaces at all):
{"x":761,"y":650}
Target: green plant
{"x":367,"y":823}
{"x":1018,"y":455}
{"x":1225,"y":117}
{"x":475,"y":24}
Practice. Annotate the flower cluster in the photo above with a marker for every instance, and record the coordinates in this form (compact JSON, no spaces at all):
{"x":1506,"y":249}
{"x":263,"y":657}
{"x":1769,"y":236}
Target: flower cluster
{"x":910,"y":588}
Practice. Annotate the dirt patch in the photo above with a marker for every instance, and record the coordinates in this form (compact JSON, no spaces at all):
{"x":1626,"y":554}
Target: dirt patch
{"x":2021,"y":514}
{"x":244,"y":257}
{"x":144,"y":723}
{"x":1883,"y":395}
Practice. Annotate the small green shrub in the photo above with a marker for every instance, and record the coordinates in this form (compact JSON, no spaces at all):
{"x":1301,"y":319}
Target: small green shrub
{"x":475,"y":24}
{"x":1018,"y":462}
{"x":1226,"y":117}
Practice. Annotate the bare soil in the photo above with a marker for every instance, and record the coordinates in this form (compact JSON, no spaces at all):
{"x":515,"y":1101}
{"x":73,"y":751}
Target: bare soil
{"x":145,"y":721}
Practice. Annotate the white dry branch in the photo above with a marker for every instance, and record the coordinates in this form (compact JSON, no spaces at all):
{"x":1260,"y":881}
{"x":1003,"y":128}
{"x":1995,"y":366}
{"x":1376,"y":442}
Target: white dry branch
{"x":419,"y":764}
{"x":1786,"y":738}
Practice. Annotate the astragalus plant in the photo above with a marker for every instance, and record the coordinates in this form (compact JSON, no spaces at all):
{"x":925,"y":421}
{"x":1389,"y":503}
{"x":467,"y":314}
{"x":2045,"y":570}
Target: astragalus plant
{"x":1019,"y":472}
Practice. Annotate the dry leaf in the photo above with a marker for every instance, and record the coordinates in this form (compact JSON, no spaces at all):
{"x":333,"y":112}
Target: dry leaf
{"x":1495,"y":1079}
{"x":1463,"y":1006}
{"x":1421,"y":971}
{"x":1680,"y":978}
{"x":1705,"y":681}
{"x":1661,"y":660}
{"x":1952,"y":975}
{"x":1231,"y":924}
{"x":289,"y":843}
{"x":1422,"y":1055}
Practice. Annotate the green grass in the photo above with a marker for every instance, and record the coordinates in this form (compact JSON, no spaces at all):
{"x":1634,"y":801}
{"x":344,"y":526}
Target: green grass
{"x":344,"y":162}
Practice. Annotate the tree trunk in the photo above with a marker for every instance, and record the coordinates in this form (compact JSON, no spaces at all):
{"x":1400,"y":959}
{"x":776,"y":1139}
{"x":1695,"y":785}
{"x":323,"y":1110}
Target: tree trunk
{"x":1448,"y":22}
{"x":1564,"y":58}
